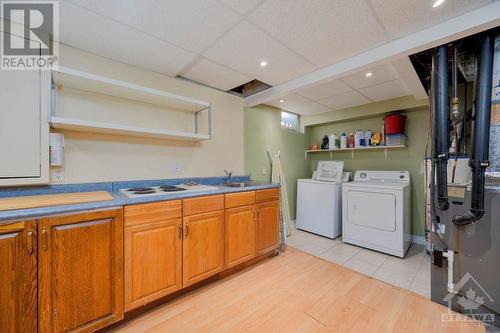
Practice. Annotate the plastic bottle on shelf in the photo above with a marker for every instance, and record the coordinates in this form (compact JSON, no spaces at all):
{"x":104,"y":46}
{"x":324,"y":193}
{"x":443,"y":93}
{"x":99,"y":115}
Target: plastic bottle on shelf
{"x":352,"y":141}
{"x":331,"y":141}
{"x":343,"y":141}
{"x":368,"y":137}
{"x":359,"y":138}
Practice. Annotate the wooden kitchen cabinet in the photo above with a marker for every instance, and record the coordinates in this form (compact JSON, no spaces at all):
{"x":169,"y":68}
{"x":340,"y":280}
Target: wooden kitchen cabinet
{"x":18,"y":277}
{"x":203,"y":246}
{"x":267,"y":233}
{"x":153,"y":261}
{"x":239,"y":235}
{"x":80,"y":273}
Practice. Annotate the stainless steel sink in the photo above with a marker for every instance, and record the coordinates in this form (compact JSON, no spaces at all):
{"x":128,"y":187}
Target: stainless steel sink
{"x":242,"y":184}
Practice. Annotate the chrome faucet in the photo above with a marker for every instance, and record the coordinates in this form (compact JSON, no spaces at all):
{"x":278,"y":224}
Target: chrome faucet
{"x":228,"y":175}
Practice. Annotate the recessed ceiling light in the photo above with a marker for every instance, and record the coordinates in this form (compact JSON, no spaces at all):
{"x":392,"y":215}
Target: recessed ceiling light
{"x":437,"y":3}
{"x":282,"y":101}
{"x":263,"y":63}
{"x":369,"y":74}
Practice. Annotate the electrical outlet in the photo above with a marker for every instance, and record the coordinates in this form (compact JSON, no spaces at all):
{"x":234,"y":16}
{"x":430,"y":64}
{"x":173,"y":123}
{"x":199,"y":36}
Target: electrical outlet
{"x":58,"y":175}
{"x":176,"y":167}
{"x":263,"y":171}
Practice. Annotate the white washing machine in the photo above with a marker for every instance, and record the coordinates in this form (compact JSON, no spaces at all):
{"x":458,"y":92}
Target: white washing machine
{"x":376,"y":211}
{"x":319,"y":207}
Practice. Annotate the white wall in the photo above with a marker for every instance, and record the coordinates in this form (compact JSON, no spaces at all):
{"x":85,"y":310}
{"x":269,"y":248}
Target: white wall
{"x":95,"y":157}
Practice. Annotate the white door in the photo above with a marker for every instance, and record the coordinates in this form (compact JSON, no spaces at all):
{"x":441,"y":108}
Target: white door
{"x":372,"y":210}
{"x":20,"y":112}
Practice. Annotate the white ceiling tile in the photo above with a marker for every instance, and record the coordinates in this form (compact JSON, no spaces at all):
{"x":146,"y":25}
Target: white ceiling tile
{"x":345,"y":100}
{"x":93,"y":33}
{"x":403,"y":17}
{"x":245,"y":46}
{"x":215,"y":75}
{"x":408,"y":74}
{"x":242,"y":6}
{"x":312,"y":108}
{"x":387,"y":90}
{"x":322,"y":31}
{"x":291,"y":102}
{"x":324,"y":90}
{"x":191,"y":24}
{"x":382,"y":73}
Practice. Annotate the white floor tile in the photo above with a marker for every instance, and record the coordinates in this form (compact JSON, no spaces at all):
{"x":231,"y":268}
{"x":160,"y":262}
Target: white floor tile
{"x":361,"y":266}
{"x":371,"y":257}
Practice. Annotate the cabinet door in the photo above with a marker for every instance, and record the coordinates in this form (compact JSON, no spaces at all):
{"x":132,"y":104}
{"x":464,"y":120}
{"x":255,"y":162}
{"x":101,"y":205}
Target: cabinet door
{"x":267,"y":226}
{"x":203,"y":246}
{"x":80,"y":271}
{"x":153,"y":261}
{"x":240,"y":235}
{"x":18,"y":284}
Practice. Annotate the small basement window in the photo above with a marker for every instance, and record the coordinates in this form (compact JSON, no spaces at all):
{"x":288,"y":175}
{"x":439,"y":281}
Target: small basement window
{"x":289,"y":120}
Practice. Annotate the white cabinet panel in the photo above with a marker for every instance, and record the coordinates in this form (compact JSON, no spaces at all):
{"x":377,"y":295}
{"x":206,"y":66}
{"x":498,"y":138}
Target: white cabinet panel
{"x":20,"y":124}
{"x":24,"y":131}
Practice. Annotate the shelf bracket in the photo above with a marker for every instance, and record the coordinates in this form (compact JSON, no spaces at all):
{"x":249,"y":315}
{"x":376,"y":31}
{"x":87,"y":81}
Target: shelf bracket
{"x":331,"y":156}
{"x":385,"y":153}
{"x":352,"y":154}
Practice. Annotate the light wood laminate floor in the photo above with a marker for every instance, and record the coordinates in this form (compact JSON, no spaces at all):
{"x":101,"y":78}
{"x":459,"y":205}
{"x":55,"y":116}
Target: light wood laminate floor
{"x":297,"y":292}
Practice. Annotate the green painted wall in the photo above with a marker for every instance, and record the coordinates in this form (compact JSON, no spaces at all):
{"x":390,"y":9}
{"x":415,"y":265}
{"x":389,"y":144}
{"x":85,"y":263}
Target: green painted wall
{"x":405,"y":159}
{"x":263,"y":132}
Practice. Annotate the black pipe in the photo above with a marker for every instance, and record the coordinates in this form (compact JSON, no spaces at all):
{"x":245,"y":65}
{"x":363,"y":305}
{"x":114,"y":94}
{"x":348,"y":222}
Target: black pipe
{"x":481,"y":136}
{"x":441,"y":131}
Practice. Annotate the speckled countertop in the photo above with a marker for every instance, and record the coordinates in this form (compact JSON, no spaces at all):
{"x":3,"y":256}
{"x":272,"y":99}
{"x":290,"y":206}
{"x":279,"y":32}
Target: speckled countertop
{"x":118,"y":198}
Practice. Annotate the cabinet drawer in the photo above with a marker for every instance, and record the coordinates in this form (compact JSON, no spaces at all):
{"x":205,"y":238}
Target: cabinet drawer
{"x":152,"y":212}
{"x":200,"y":205}
{"x":267,"y":195}
{"x":239,"y":199}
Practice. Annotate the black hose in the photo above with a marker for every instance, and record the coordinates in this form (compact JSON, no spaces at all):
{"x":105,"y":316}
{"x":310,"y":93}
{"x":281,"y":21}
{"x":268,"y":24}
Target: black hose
{"x":481,"y":136}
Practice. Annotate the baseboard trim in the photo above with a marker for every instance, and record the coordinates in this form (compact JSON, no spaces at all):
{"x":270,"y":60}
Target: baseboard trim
{"x":418,"y":239}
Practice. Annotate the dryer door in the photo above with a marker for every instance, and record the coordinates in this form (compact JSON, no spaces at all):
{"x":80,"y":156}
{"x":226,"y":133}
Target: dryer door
{"x":372,"y":209}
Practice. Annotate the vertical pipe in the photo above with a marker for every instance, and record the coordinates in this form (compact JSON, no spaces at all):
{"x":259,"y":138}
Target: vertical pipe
{"x":481,"y":132}
{"x":441,"y":130}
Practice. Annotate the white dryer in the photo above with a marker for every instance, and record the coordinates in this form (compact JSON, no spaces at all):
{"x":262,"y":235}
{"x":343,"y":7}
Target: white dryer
{"x":376,"y":211}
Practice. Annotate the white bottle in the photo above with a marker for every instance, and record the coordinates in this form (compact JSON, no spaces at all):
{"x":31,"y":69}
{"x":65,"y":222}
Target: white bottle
{"x":357,"y":137}
{"x":368,"y":137}
{"x":343,"y":141}
{"x":331,"y":141}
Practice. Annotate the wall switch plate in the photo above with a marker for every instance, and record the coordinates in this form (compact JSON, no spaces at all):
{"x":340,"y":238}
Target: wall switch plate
{"x":58,"y":175}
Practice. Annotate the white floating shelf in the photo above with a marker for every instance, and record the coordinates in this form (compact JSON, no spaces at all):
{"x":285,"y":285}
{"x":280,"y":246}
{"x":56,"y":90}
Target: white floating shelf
{"x":105,"y":128}
{"x":75,"y":79}
{"x":352,"y":150}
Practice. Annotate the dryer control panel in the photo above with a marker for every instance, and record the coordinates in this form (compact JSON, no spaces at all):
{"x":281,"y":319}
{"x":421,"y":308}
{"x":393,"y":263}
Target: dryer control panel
{"x":382,"y":176}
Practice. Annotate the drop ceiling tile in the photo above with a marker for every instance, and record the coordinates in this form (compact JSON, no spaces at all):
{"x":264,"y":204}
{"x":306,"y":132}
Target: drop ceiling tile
{"x":191,"y":24}
{"x":324,"y":90}
{"x":215,"y":75}
{"x":245,"y":46}
{"x":387,"y":90}
{"x":291,"y":102}
{"x":345,"y":100}
{"x":312,"y":108}
{"x":324,"y":32}
{"x":381,"y":74}
{"x":409,"y":76}
{"x":93,"y":33}
{"x":403,"y":17}
{"x":242,"y":6}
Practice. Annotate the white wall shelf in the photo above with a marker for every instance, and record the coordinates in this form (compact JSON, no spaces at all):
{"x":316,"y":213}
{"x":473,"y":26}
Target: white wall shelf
{"x":352,"y":150}
{"x":105,"y":128}
{"x":65,"y":78}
